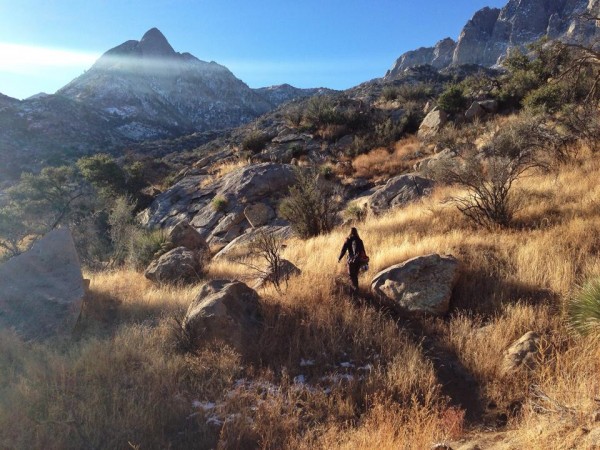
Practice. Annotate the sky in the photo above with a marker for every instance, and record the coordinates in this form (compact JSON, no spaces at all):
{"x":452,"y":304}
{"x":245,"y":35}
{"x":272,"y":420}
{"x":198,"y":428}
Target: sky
{"x":338,"y":44}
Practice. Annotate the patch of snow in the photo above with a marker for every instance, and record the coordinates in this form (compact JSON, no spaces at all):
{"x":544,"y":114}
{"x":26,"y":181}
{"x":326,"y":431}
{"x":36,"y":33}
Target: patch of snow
{"x":214,"y":420}
{"x":206,"y":406}
{"x":346,"y":365}
{"x":366,"y":368}
{"x":300,"y":379}
{"x":307,"y":362}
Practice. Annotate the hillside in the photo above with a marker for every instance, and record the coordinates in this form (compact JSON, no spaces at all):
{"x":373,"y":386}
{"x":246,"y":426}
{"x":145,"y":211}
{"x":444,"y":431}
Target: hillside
{"x":215,"y":309}
{"x":328,"y":372}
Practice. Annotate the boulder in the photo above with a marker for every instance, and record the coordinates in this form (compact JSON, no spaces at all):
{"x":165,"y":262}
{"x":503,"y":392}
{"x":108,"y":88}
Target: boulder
{"x":490,"y":106}
{"x":399,"y":191}
{"x":185,"y":235}
{"x":439,"y":159}
{"x":41,"y":290}
{"x":475,"y":111}
{"x":224,"y":310}
{"x":523,"y":353}
{"x":259,"y":214}
{"x":238,"y":247}
{"x":286,"y":271}
{"x":178,"y":266}
{"x":420,"y":285}
{"x":433,"y":123}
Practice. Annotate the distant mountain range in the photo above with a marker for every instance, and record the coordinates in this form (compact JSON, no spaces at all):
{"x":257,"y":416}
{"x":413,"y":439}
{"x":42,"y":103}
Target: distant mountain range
{"x":145,"y":91}
{"x":137,"y":91}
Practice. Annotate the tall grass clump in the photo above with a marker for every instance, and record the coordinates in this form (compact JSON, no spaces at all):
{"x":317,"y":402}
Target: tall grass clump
{"x":584,"y":308}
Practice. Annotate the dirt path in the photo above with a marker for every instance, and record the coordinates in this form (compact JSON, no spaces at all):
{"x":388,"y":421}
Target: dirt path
{"x":458,"y":384}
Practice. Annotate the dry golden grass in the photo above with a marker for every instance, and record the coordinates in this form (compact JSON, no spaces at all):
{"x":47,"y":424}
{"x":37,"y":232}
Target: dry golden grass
{"x":380,"y":162}
{"x":123,"y":383}
{"x":219,"y":170}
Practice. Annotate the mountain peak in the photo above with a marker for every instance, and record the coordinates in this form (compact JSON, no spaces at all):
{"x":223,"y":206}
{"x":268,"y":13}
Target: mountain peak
{"x":154,"y":43}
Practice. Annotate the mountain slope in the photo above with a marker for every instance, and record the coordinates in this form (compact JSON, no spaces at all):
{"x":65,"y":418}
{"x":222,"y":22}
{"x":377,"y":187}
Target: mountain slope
{"x":136,"y":92}
{"x":491,"y":33}
{"x":156,"y":92}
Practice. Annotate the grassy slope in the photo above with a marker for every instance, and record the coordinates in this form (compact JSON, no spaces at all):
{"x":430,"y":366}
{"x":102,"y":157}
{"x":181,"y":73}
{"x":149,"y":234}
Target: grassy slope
{"x":122,"y":384}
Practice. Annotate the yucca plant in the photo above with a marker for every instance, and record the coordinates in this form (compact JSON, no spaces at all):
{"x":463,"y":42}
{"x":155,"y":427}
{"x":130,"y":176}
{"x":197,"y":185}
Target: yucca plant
{"x":584,"y":308}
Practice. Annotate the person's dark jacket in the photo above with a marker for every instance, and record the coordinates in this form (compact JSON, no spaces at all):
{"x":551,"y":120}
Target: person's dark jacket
{"x":354,"y":246}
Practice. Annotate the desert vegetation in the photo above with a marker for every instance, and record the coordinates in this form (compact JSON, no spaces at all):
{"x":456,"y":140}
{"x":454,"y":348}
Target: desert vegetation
{"x":516,"y":201}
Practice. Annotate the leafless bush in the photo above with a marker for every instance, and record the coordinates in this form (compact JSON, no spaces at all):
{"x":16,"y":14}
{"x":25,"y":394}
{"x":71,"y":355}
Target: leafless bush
{"x":266,"y":247}
{"x":488,"y":176}
{"x":584,"y":123}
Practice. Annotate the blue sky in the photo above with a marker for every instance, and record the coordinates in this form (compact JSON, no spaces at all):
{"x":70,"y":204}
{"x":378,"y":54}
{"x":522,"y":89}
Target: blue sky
{"x":44,"y":44}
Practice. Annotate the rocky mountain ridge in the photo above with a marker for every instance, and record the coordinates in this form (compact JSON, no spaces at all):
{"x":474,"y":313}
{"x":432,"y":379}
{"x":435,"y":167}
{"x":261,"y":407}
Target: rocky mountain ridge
{"x":138,"y":91}
{"x":487,"y":38}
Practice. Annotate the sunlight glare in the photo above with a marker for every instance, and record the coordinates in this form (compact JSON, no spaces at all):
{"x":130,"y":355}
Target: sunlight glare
{"x":17,"y":58}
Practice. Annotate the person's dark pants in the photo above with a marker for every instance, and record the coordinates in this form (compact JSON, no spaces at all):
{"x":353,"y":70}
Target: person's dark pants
{"x":353,"y":269}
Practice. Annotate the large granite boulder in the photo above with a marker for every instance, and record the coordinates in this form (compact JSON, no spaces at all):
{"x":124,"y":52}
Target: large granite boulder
{"x":475,"y":111}
{"x":429,"y":165}
{"x":400,"y":191}
{"x":185,"y":235}
{"x":420,"y":285}
{"x":433,"y":123}
{"x":178,"y":266}
{"x":41,"y":290}
{"x":224,"y":310}
{"x":194,"y":198}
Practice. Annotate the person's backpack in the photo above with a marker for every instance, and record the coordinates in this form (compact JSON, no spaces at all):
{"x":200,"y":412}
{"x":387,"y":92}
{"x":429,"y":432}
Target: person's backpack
{"x":360,"y":256}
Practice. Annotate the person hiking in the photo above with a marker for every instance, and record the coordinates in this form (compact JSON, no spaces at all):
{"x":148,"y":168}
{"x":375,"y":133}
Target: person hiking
{"x":356,"y":255}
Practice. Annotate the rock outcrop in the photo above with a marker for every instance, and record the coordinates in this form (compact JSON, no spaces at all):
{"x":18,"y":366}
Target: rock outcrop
{"x":41,"y":290}
{"x":224,"y":310}
{"x":177,"y":266}
{"x":487,"y":38}
{"x":223,"y":222}
{"x":420,"y":285}
{"x":399,"y":191}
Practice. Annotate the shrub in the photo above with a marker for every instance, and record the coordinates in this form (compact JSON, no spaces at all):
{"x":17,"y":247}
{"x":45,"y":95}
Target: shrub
{"x":310,"y":206}
{"x":408,"y":92}
{"x":584,"y":308}
{"x":488,"y":179}
{"x":355,"y":213}
{"x":219,"y":203}
{"x":453,"y":99}
{"x":255,"y":142}
{"x":549,"y":98}
{"x":144,"y":246}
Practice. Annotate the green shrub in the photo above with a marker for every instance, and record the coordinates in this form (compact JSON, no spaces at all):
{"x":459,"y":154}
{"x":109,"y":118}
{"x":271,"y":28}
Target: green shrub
{"x":146,"y":245}
{"x":219,"y":203}
{"x":355,"y":213}
{"x":310,"y":206}
{"x":549,"y":98}
{"x":453,"y":99}
{"x":584,"y":308}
